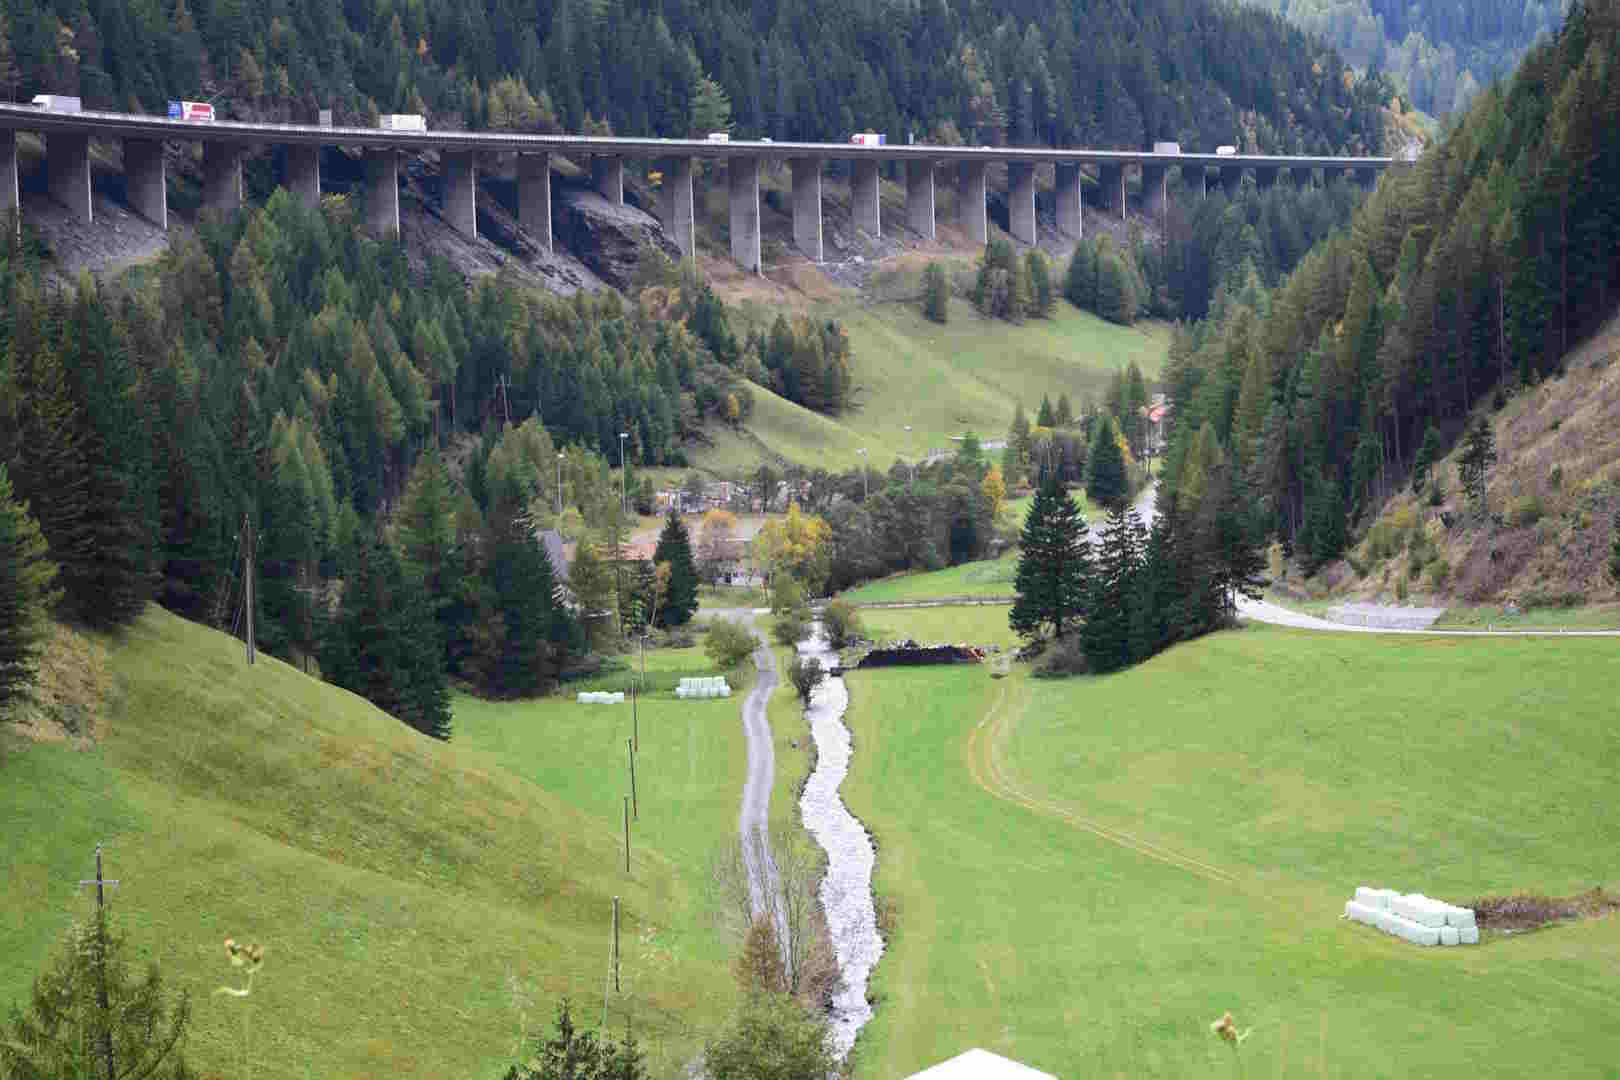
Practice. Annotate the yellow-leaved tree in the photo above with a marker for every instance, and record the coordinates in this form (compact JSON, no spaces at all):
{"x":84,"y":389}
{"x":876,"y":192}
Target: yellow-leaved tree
{"x":796,"y":545}
{"x":993,"y":488}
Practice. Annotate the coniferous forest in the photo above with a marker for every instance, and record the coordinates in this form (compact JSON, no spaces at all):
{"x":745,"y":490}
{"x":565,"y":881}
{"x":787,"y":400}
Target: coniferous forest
{"x":1083,"y":73}
{"x":1468,"y":275}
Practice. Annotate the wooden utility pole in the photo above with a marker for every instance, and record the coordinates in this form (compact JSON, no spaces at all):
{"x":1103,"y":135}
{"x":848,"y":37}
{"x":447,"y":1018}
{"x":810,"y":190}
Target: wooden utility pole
{"x":635,"y":804}
{"x":616,"y":945}
{"x":248,"y":589}
{"x":627,"y":834}
{"x":635,"y":726}
{"x":101,"y":964}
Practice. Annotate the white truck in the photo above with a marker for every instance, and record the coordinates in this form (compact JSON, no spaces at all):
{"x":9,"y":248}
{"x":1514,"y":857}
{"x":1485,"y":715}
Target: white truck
{"x":402,"y":122}
{"x":869,"y":138}
{"x":719,"y":136}
{"x":1226,"y":151}
{"x":58,"y":103}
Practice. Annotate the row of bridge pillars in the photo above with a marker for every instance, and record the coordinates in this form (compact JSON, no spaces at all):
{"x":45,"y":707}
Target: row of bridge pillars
{"x":68,"y":170}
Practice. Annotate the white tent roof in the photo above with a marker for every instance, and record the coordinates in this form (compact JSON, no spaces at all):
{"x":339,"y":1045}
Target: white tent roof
{"x":979,"y":1064}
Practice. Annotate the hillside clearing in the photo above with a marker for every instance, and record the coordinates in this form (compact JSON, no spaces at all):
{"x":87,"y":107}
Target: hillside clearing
{"x":422,"y":905}
{"x":969,"y":375}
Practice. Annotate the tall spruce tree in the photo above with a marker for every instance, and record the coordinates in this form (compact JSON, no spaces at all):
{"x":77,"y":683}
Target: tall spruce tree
{"x":675,"y":548}
{"x":1054,"y":566}
{"x":1107,"y":484}
{"x":1107,"y":637}
{"x":538,"y":633}
{"x":26,"y":594}
{"x":383,"y":643}
{"x":1428,"y":453}
{"x":1474,"y":464}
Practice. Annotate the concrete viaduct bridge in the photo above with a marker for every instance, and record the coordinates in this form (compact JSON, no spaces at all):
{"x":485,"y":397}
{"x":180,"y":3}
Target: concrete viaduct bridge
{"x":225,"y":143}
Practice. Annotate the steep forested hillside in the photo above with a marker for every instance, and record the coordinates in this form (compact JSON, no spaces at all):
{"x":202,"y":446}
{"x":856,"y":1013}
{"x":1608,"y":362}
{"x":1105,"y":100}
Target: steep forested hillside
{"x":1441,"y":53}
{"x":1468,"y":276}
{"x":1086,"y":72}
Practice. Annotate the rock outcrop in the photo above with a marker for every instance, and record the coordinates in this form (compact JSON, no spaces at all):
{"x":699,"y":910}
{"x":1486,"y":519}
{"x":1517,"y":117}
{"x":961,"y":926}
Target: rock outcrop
{"x":610,"y":240}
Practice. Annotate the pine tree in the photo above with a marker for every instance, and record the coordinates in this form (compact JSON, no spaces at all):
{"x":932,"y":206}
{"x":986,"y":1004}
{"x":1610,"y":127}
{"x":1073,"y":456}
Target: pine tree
{"x":1614,"y":549}
{"x":1064,"y":415}
{"x":675,"y":548}
{"x":1053,"y":565}
{"x":1428,"y":453}
{"x":383,"y":643}
{"x":26,"y":594}
{"x":1044,"y":416}
{"x":537,"y":630}
{"x":1080,"y":284}
{"x":1474,"y":465}
{"x":1041,"y":298}
{"x":1107,"y":637}
{"x":936,"y":294}
{"x":1016,"y":457}
{"x":90,"y":1016}
{"x":1107,"y":485}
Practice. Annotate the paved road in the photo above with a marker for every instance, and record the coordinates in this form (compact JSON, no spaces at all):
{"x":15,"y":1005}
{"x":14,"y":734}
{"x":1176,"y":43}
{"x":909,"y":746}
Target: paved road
{"x":1391,"y":615}
{"x":754,"y":817}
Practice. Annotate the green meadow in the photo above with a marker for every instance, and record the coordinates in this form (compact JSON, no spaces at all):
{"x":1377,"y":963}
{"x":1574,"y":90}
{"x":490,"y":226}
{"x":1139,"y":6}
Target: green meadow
{"x":423,"y":905}
{"x":1083,"y":874}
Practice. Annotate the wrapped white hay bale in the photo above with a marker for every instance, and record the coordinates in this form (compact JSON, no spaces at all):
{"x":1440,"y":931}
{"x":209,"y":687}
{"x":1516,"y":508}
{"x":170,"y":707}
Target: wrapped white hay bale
{"x":1427,"y":912}
{"x":1468,"y":935}
{"x":1448,"y":935}
{"x":1360,"y":912}
{"x":1459,"y":916}
{"x":1384,"y":920}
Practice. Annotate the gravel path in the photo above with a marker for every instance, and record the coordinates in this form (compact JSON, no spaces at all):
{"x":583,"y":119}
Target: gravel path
{"x":754,"y":817}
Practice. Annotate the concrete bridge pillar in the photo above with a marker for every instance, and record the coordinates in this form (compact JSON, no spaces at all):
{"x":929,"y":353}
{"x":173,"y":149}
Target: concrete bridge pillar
{"x":865,"y":203}
{"x":920,"y":197}
{"x":1265,"y":177}
{"x":970,"y":196}
{"x":807,"y":206}
{"x":67,"y":168}
{"x":1155,"y":187}
{"x":607,"y":177}
{"x":534,"y":197}
{"x":1021,"y":201}
{"x":10,"y":193}
{"x":382,"y":191}
{"x":304,"y":174}
{"x":1367,"y":178}
{"x":675,"y":209}
{"x":1111,"y":186}
{"x":1231,"y":179}
{"x":222,"y":177}
{"x":1302,"y":177}
{"x":145,"y":180}
{"x":1069,"y":220}
{"x":461,"y":192}
{"x":742,"y":178}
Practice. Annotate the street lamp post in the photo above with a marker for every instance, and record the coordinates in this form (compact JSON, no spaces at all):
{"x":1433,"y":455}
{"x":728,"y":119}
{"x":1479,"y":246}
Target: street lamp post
{"x":559,"y":486}
{"x":913,"y":464}
{"x":624,"y":502}
{"x":865,"y":492}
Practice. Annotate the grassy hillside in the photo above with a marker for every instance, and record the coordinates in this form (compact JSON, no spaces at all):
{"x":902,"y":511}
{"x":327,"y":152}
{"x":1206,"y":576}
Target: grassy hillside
{"x":1552,"y":497}
{"x":942,"y":380}
{"x":422,"y":904}
{"x":1185,"y":835}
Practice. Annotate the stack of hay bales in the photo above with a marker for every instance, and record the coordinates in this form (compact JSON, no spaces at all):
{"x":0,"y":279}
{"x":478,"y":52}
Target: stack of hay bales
{"x":601,"y":697}
{"x":1413,"y":917}
{"x":705,"y":687}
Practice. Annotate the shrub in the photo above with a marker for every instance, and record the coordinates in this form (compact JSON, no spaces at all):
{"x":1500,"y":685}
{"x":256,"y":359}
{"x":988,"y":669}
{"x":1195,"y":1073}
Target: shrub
{"x":842,"y":623}
{"x":1063,"y":659}
{"x":1555,"y":478}
{"x":1400,"y":589}
{"x":1525,"y":510}
{"x":772,"y":1036}
{"x":1437,"y":494}
{"x":791,"y":627}
{"x":805,"y":674}
{"x":1439,"y":573}
{"x":729,"y":643}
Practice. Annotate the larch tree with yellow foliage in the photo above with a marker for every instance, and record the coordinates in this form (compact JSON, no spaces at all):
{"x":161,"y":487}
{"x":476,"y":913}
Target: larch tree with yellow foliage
{"x":796,"y":545}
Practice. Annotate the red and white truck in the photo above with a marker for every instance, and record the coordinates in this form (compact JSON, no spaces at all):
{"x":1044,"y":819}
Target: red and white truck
{"x":200,"y":111}
{"x":869,"y":138}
